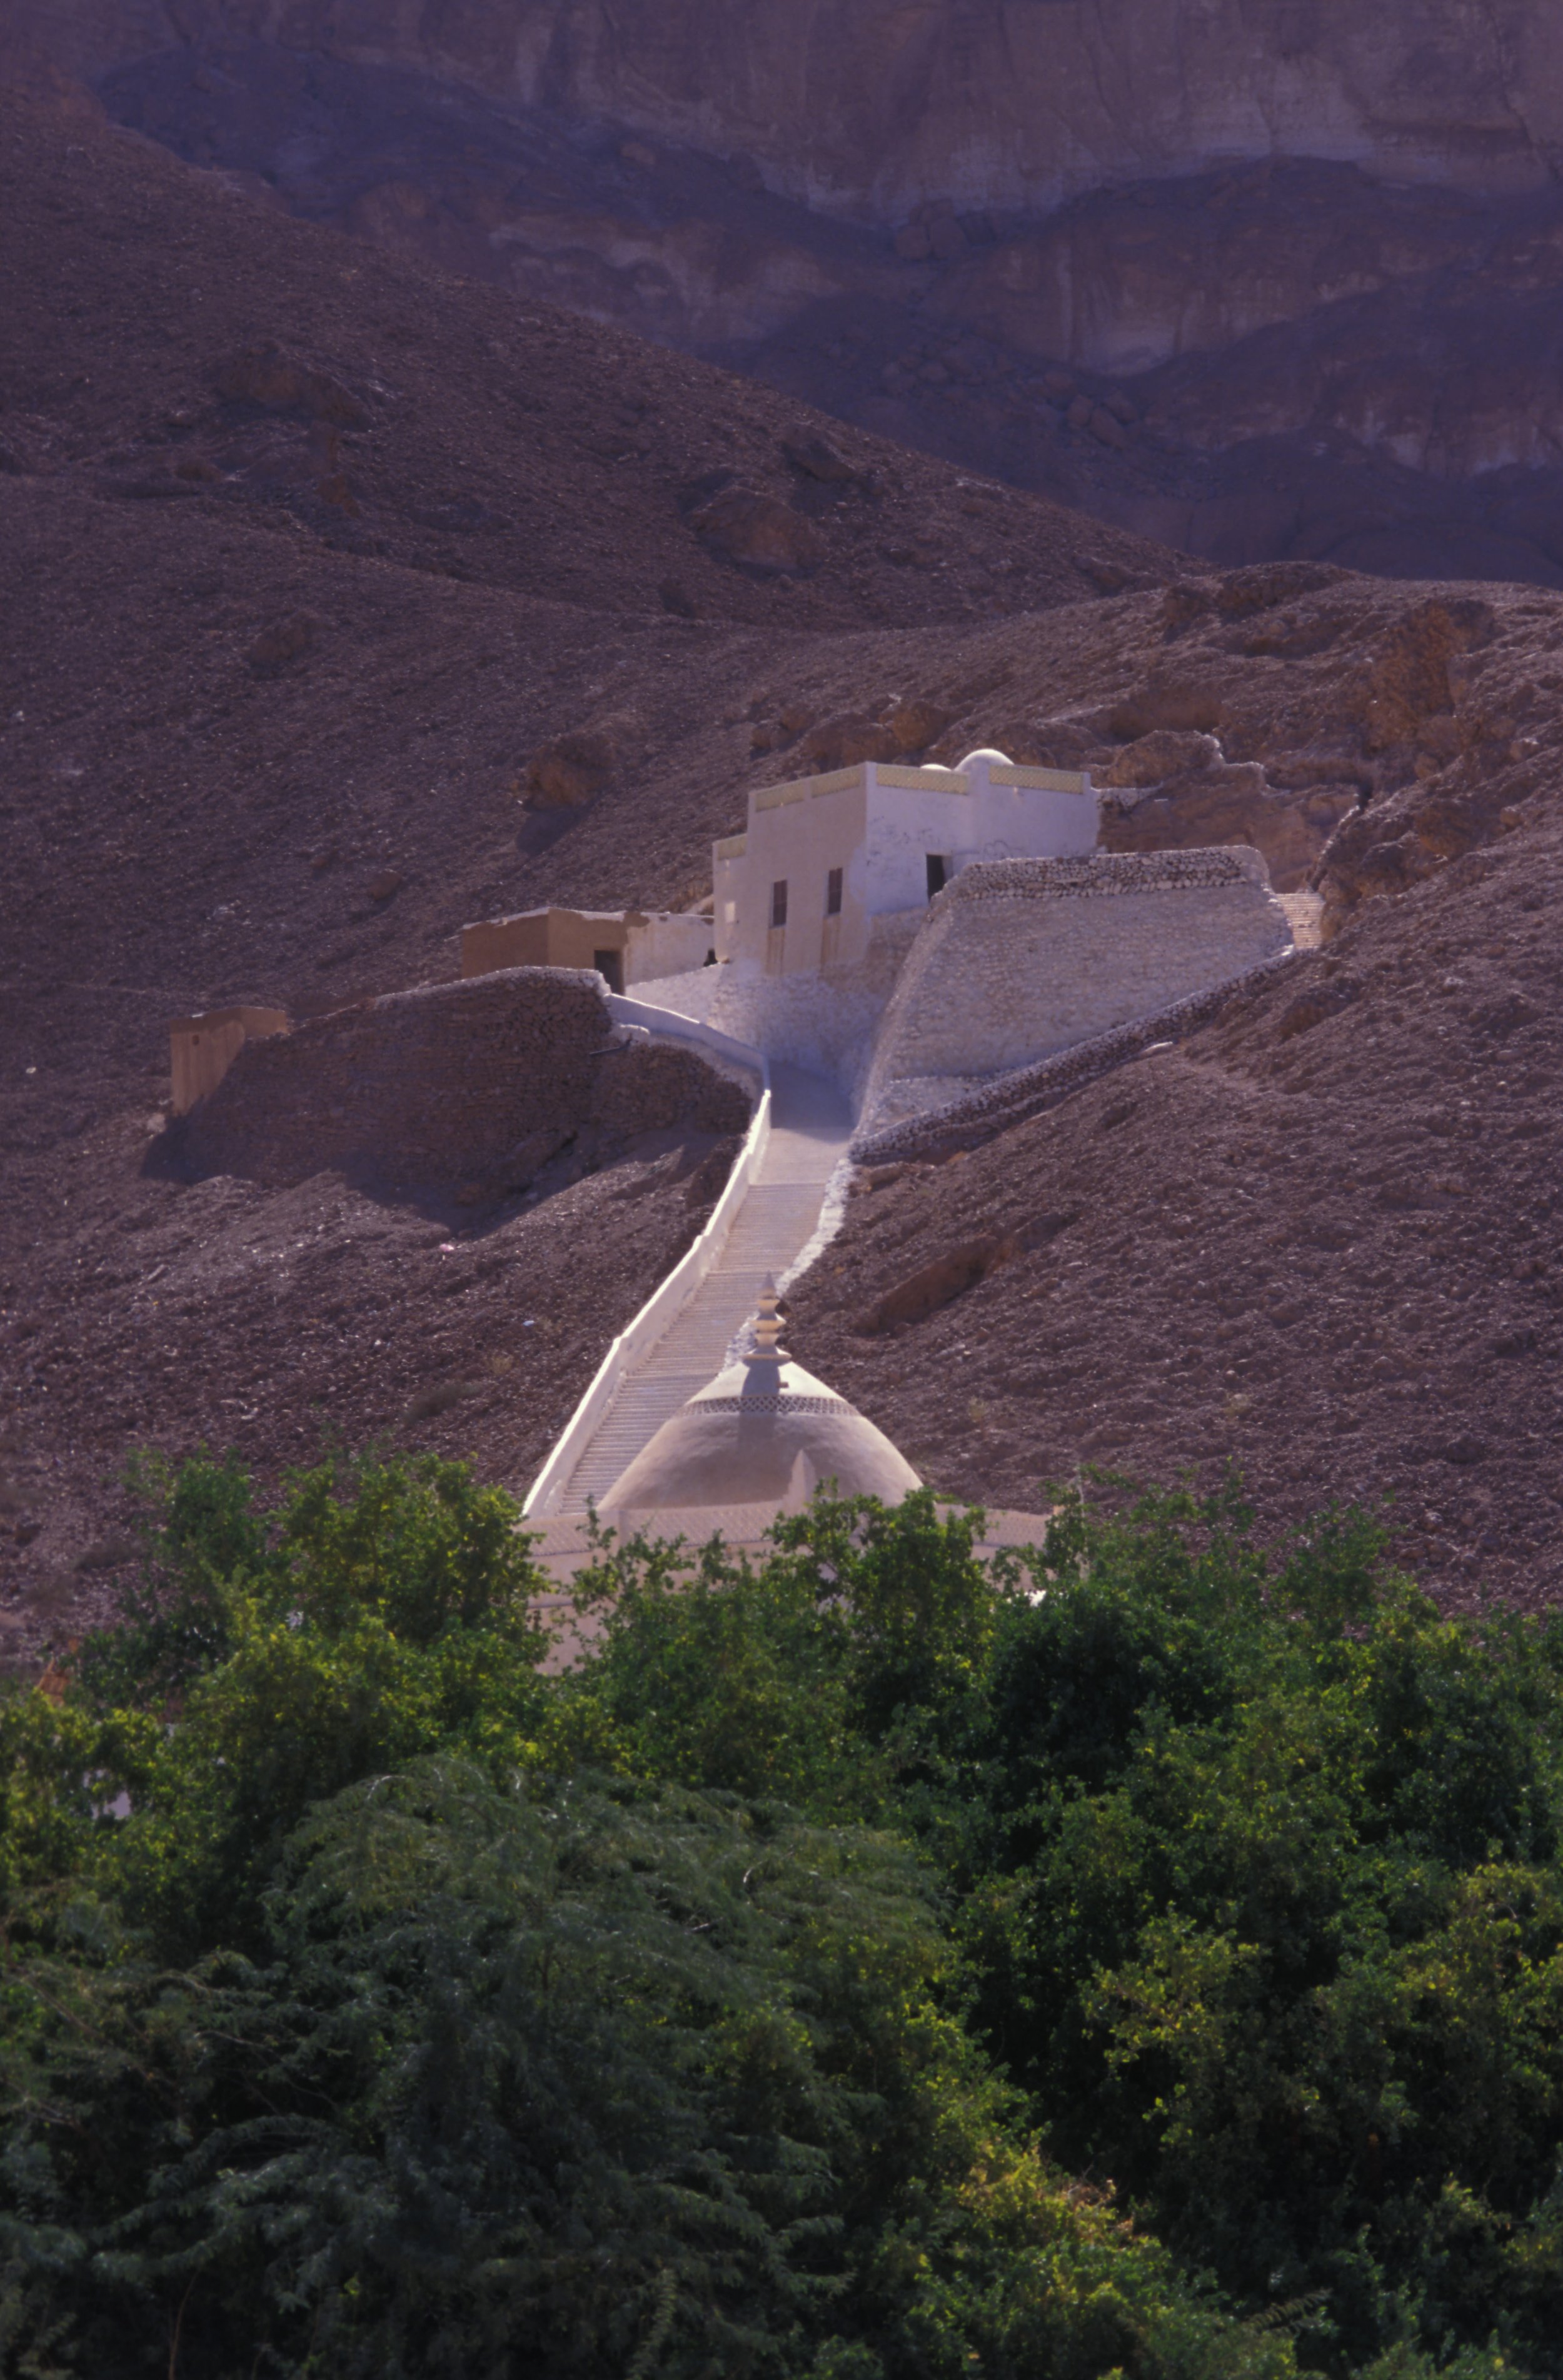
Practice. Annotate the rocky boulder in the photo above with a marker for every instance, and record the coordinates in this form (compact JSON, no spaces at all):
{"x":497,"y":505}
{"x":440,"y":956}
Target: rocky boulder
{"x":568,"y":770}
{"x":756,"y":531}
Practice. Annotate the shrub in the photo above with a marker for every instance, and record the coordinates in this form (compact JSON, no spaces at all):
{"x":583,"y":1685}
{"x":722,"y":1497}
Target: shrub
{"x":743,"y":1999}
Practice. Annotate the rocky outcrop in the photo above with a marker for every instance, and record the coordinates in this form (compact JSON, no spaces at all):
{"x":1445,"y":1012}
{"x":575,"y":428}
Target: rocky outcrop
{"x":1180,"y":793}
{"x":757,"y":530}
{"x":568,"y":770}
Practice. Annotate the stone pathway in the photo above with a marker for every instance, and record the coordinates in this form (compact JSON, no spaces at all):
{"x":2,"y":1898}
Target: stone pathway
{"x":810,"y":1126}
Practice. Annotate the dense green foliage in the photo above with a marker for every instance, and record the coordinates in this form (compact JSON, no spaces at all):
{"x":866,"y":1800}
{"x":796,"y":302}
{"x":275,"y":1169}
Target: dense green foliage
{"x":742,"y":1999}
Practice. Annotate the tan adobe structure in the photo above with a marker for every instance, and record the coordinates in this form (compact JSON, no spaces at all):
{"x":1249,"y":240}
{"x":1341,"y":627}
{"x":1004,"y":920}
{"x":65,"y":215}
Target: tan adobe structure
{"x":203,"y":1048}
{"x":822,"y":859}
{"x":626,"y":946}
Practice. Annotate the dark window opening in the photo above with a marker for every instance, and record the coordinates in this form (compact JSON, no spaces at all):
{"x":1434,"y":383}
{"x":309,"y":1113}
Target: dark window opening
{"x":779,"y":901}
{"x":833,"y":894}
{"x":936,"y":873}
{"x":710,"y":958}
{"x":610,"y":966}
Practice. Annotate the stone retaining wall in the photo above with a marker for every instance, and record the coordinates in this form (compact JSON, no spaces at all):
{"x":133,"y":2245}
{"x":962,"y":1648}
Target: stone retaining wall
{"x":476,"y":1085}
{"x":1020,"y":958}
{"x":980,"y":1115}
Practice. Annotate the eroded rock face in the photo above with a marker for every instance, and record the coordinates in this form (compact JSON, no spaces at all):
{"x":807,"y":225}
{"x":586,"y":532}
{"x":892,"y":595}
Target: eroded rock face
{"x":1174,"y":789}
{"x":1256,"y":280}
{"x":888,"y":110}
{"x":1220,"y":803}
{"x":842,"y":743}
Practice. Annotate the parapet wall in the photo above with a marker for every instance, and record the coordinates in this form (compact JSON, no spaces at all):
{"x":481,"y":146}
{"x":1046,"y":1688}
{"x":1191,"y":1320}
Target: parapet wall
{"x":1020,"y":958}
{"x":475,"y":1085}
{"x":1108,"y":875}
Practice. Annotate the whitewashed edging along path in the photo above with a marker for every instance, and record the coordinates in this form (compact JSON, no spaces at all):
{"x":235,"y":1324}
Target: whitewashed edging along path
{"x":547,"y":1492}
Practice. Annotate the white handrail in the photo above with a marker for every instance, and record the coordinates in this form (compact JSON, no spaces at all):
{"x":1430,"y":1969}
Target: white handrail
{"x":674,"y":1290}
{"x":669,"y":1025}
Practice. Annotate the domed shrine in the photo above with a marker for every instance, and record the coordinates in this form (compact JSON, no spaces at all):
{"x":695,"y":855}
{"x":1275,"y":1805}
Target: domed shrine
{"x":758,"y":1441}
{"x":763,"y":1432}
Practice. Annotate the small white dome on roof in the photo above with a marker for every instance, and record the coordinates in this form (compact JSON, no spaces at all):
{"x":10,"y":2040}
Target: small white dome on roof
{"x":991,"y":754}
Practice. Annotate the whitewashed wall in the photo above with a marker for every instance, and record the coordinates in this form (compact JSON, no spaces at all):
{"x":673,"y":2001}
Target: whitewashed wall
{"x":800,"y":839}
{"x":1021,"y":958}
{"x":825,"y":1020}
{"x":904,"y":824}
{"x":667,"y":945}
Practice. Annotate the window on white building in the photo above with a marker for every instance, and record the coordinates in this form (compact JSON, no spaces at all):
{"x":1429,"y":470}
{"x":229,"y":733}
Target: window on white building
{"x":833,"y":894}
{"x":938,"y":872}
{"x":779,"y":901}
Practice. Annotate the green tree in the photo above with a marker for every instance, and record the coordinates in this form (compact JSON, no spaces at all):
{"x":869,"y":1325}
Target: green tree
{"x":743,"y":1997}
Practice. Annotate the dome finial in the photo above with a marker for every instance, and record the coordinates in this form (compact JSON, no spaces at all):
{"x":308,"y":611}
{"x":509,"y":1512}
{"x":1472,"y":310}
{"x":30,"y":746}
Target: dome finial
{"x":768,"y":1324}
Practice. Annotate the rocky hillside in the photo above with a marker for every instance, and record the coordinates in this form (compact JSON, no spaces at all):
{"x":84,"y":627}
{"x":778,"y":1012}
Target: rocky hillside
{"x":173,"y":343}
{"x":327,"y":628}
{"x":1256,"y":282}
{"x":1317,"y":1242}
{"x":343,"y":607}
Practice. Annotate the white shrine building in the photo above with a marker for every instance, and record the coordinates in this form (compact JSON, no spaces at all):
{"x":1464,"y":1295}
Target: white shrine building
{"x":821,"y":859}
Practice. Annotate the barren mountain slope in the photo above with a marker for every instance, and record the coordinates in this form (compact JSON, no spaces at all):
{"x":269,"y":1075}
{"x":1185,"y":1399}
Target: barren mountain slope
{"x":1254,"y":280}
{"x":244,"y":759}
{"x":191,"y":824}
{"x":276,"y":673}
{"x":173,"y":343}
{"x":247,"y":866}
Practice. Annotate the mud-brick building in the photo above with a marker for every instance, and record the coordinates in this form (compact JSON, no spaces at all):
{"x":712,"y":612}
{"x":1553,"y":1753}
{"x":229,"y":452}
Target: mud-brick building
{"x":626,"y":946}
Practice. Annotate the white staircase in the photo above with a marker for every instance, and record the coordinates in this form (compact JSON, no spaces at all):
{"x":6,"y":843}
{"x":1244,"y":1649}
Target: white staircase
{"x":810,"y":1126}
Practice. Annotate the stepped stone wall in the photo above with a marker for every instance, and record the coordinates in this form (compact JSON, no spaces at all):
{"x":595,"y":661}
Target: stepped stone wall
{"x":974,"y":1116}
{"x":1020,"y":958}
{"x":481,"y":1083}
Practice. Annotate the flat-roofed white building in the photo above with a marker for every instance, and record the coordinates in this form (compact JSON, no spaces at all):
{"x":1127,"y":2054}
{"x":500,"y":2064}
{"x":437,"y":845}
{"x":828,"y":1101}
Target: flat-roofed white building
{"x":823,"y":859}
